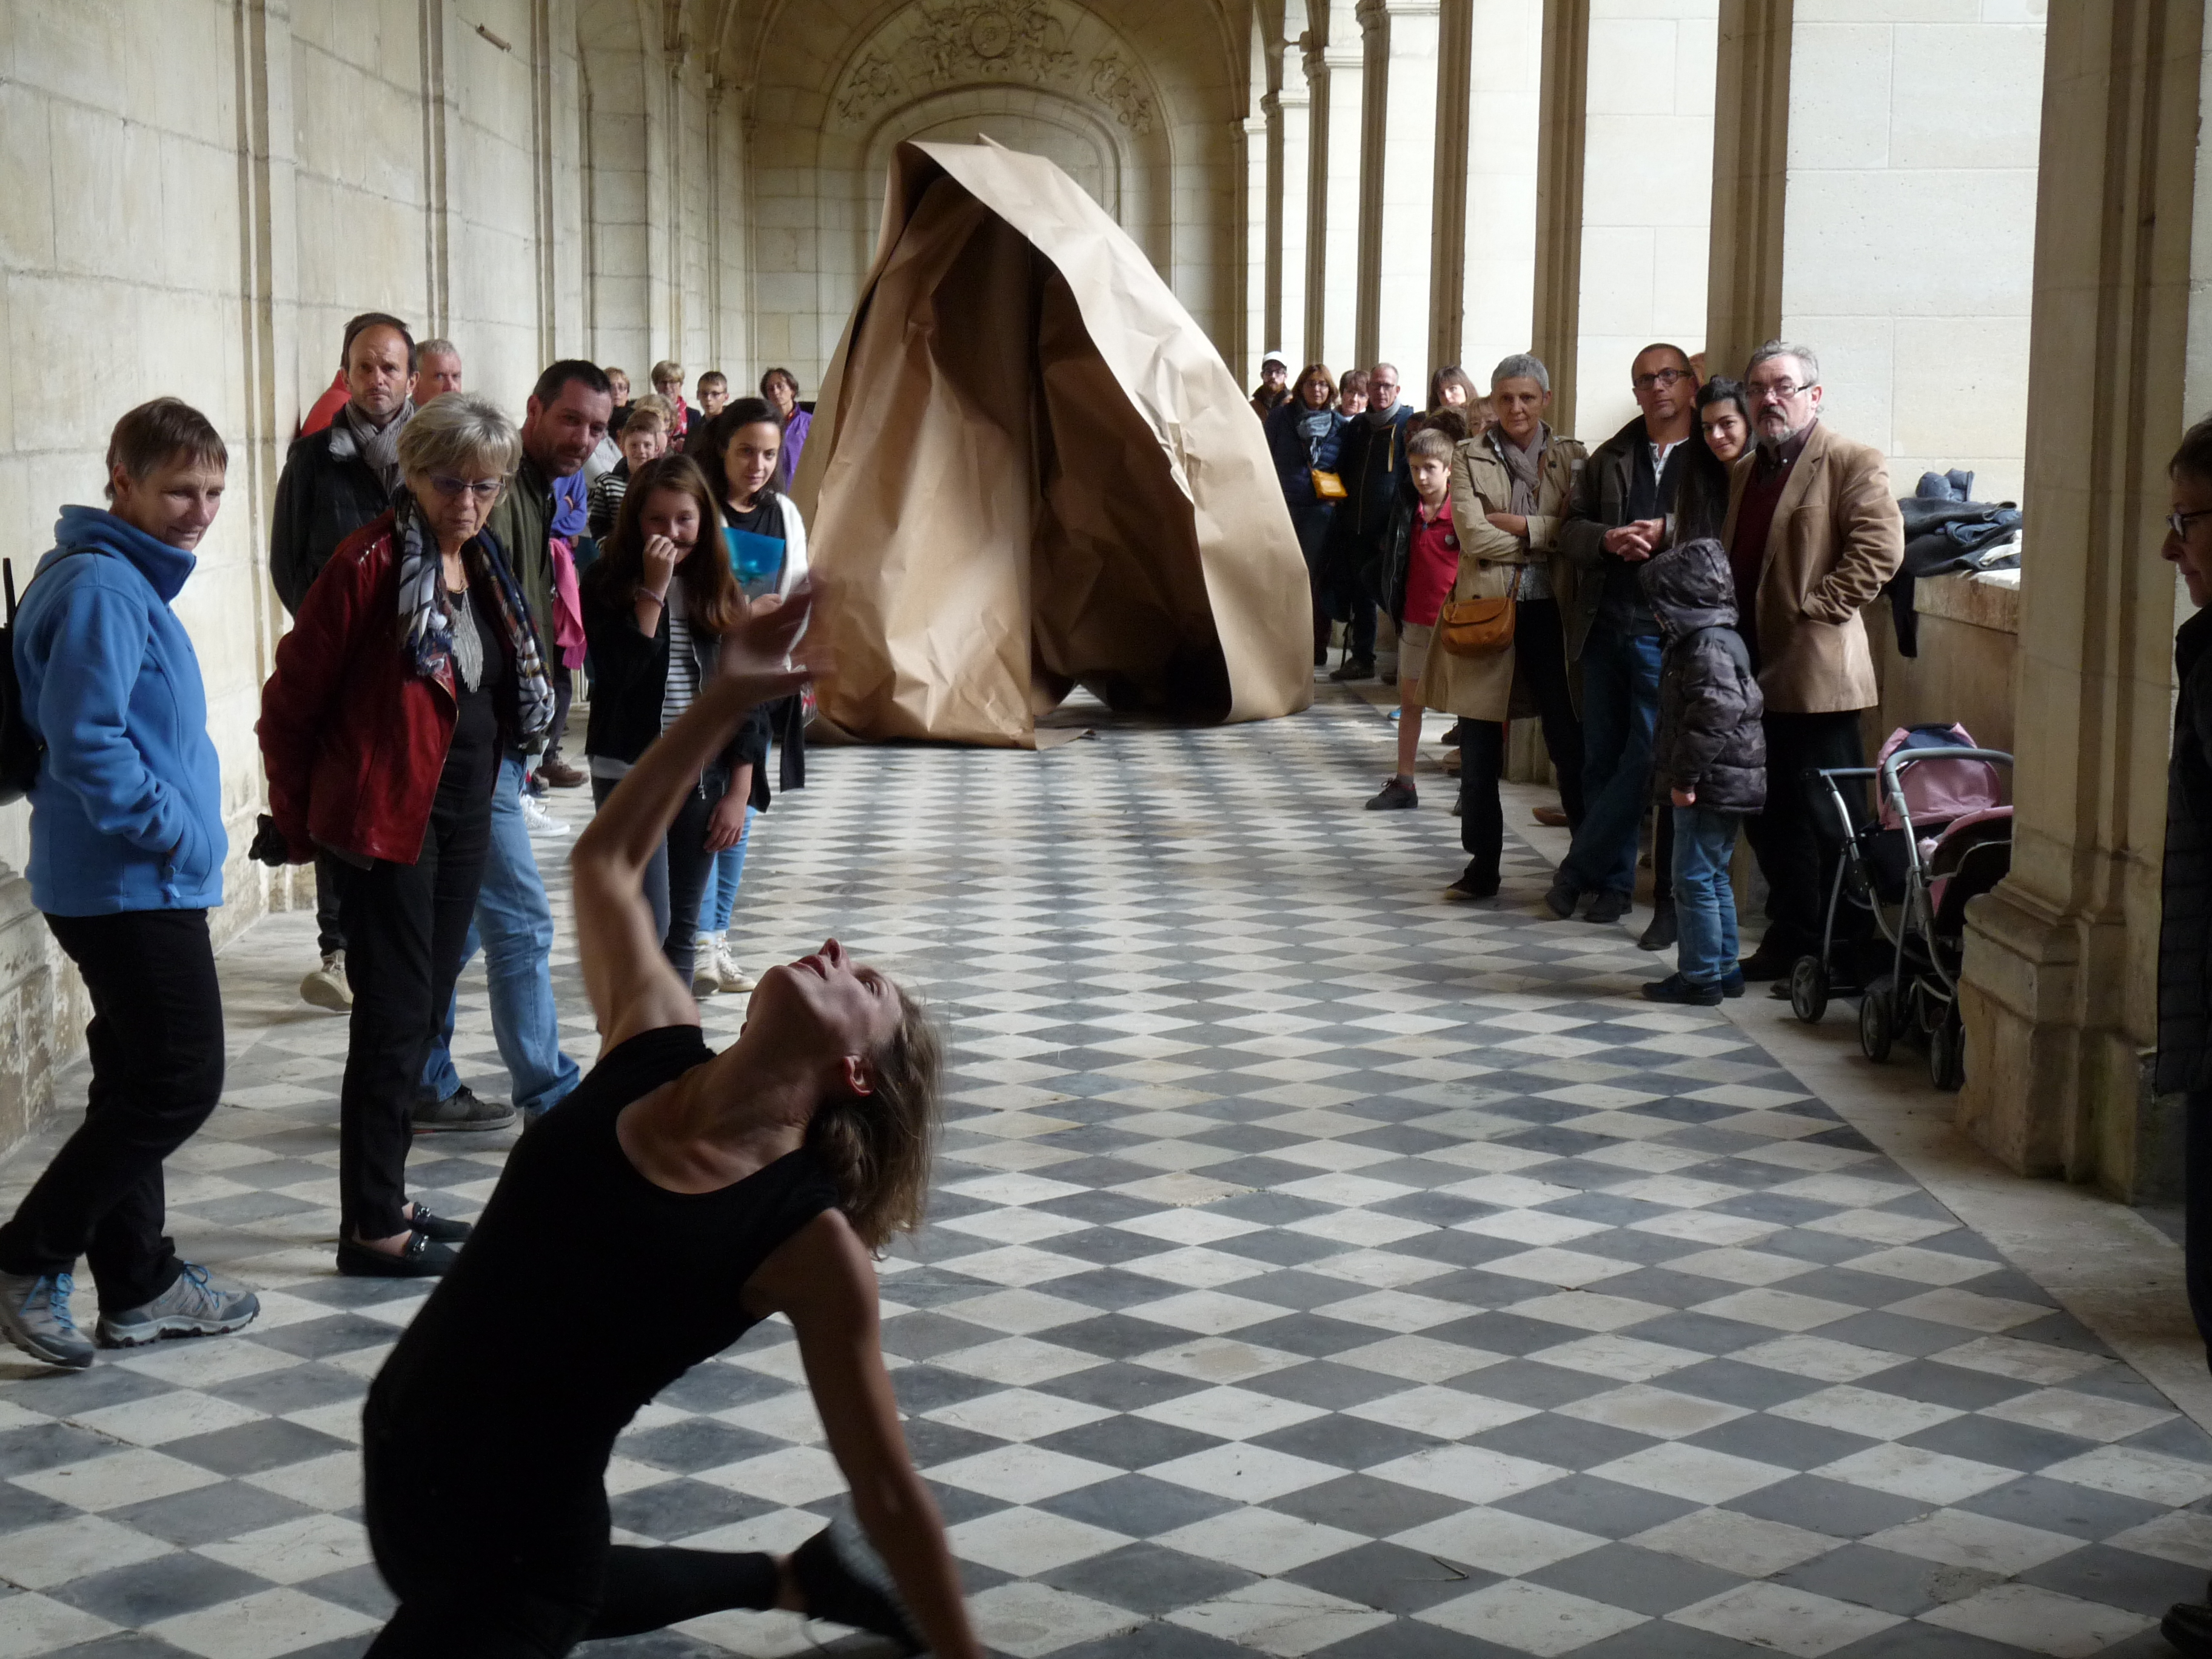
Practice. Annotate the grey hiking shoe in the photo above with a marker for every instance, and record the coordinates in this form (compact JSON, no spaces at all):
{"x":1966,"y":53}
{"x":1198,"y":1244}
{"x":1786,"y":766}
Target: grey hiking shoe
{"x":198,"y":1304}
{"x":34,"y":1315}
{"x":462,"y":1112}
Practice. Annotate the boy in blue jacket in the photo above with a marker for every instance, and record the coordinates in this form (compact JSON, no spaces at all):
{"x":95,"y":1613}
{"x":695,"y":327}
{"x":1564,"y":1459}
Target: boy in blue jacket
{"x":127,"y":848}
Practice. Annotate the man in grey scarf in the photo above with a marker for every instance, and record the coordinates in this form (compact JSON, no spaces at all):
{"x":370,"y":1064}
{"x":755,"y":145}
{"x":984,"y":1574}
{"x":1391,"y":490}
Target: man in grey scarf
{"x":334,"y":482}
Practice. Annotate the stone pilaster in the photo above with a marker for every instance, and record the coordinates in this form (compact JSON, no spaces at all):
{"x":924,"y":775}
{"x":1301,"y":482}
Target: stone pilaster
{"x":1751,"y":170}
{"x":1559,"y":149}
{"x":2061,"y":960}
{"x":1271,"y":229}
{"x":1294,"y":110}
{"x":1397,"y":184}
{"x":1334,"y":69}
{"x":1249,"y":140}
{"x":1447,"y":209}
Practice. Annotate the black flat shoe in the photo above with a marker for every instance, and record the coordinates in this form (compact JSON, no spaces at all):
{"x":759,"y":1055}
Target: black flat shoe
{"x":1398,"y":795}
{"x":436,"y":1228}
{"x":2188,"y":1627}
{"x":421,"y":1258}
{"x":1762,"y":963}
{"x":1606,"y":908}
{"x":1661,"y":934}
{"x":1562,"y":899}
{"x":1473,"y":884}
{"x":841,"y":1579}
{"x":1675,"y":989}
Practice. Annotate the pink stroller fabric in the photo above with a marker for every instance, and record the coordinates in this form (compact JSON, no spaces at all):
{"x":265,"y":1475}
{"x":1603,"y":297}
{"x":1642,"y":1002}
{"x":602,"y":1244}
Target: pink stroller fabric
{"x":1937,"y":790}
{"x":1959,"y":830}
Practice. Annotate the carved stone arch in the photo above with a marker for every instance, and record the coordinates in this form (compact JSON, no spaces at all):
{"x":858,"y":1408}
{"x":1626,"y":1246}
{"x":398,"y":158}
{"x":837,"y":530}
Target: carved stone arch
{"x":1034,"y":74}
{"x":824,"y":80}
{"x":1076,"y":136}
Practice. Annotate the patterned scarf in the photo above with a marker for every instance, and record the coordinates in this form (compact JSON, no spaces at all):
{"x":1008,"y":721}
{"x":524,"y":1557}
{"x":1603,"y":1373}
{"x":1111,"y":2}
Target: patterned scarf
{"x":380,"y":451}
{"x":427,"y":622}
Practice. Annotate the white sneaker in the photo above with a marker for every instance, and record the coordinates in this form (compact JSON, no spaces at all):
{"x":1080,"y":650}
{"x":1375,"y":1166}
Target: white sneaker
{"x":705,"y":982}
{"x":539,"y":821}
{"x":727,"y":970}
{"x":326,"y":987}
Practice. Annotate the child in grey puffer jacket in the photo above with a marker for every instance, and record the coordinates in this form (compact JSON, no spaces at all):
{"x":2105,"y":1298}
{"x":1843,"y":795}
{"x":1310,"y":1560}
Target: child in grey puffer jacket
{"x":1709,"y":760}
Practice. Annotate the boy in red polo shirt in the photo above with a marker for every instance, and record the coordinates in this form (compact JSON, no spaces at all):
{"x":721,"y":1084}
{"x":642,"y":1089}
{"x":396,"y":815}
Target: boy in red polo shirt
{"x":1431,"y":567}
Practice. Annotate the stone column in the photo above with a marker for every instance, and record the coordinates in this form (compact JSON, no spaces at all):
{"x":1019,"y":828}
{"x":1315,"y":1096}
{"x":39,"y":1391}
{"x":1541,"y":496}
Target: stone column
{"x":269,"y":296}
{"x":2059,"y":995}
{"x":1271,"y":227}
{"x":1313,"y":65}
{"x":1751,"y":171}
{"x":1559,"y":148}
{"x":1332,"y":74}
{"x":1250,"y":146}
{"x":1505,"y":118}
{"x":1293,"y":105}
{"x":441,"y":228}
{"x":1397,"y":158}
{"x":1448,"y":203}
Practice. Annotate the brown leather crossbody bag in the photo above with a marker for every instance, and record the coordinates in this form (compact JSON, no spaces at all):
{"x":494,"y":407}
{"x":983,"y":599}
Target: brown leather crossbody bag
{"x":1477,"y":628}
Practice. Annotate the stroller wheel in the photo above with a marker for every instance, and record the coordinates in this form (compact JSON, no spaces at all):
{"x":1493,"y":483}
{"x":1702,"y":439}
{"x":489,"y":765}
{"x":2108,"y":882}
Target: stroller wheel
{"x":1877,"y":1021}
{"x":1947,"y":1054}
{"x":1808,"y":989}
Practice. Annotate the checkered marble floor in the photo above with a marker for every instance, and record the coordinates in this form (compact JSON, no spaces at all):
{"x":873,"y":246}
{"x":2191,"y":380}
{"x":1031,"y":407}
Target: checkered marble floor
{"x":1315,"y":1268}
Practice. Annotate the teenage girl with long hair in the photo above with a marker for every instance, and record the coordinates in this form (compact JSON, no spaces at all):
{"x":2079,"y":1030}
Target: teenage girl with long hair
{"x":657,"y":603}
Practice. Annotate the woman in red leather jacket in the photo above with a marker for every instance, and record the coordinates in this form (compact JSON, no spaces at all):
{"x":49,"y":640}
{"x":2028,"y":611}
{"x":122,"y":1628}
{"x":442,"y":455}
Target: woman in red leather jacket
{"x":412,"y":667}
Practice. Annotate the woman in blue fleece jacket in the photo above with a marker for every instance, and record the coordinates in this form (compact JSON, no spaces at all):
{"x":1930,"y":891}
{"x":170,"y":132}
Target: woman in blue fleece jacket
{"x":127,"y":848}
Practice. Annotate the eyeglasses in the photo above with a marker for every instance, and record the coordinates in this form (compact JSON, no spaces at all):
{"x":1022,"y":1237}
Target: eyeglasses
{"x":482,"y":488}
{"x":2178,"y":522}
{"x":1662,"y":377}
{"x":1780,"y":391}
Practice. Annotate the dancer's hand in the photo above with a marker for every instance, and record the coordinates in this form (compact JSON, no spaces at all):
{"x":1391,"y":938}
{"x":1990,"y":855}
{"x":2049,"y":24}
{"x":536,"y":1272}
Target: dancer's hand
{"x":764,"y":653}
{"x":1683,"y":797}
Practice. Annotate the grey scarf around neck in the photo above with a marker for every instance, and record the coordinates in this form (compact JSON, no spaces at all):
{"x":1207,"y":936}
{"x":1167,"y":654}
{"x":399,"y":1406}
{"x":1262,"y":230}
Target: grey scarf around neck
{"x":351,"y":433}
{"x":1524,"y":465}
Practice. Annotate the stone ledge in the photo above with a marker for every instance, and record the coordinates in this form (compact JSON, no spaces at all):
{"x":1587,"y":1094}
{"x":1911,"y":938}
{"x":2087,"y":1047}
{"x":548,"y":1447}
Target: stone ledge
{"x":1987,"y":599}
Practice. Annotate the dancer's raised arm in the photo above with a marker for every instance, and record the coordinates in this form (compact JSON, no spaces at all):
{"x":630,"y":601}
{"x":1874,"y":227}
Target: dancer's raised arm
{"x":629,"y":981}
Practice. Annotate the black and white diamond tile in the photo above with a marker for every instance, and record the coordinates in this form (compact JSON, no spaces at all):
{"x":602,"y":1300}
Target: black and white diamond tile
{"x":1315,"y":1268}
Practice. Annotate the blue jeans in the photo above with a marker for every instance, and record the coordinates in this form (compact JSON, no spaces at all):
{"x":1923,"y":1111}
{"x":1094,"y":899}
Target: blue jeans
{"x":513,"y":927}
{"x":1704,"y":903}
{"x":729,"y":868}
{"x":1621,"y":706}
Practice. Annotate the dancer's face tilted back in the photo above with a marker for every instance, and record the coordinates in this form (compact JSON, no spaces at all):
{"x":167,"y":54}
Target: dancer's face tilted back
{"x":843,"y":1008}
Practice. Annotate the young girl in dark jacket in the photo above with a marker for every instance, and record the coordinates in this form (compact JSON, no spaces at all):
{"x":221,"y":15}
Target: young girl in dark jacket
{"x":656,"y":605}
{"x":1709,"y":760}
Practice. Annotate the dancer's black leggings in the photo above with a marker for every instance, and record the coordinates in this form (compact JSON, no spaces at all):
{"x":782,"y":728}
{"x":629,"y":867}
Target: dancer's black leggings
{"x":528,"y":1578}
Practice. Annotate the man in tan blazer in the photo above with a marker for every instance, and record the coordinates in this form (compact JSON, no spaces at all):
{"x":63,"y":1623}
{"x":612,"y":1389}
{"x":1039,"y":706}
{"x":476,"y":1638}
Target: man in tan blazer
{"x":1812,"y":533}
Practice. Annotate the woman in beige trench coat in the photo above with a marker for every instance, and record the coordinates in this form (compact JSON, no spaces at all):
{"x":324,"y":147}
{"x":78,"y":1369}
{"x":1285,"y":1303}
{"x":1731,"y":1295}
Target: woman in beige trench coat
{"x":1510,"y":488}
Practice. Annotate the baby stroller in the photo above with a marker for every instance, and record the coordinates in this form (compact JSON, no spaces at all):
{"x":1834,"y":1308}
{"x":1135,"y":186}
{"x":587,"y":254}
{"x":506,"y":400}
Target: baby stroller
{"x":1942,"y":835}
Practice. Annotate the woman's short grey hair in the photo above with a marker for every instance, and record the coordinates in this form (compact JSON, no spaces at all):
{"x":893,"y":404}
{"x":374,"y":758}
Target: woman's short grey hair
{"x":1521,"y":366}
{"x":1808,"y":364}
{"x":457,"y":435}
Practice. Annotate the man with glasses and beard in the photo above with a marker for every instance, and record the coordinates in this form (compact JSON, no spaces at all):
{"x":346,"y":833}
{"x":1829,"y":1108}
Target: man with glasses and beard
{"x":1813,"y":533}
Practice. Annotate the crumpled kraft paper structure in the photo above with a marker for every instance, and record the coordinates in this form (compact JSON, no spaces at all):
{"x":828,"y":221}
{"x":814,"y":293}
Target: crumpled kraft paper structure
{"x":1028,"y":469}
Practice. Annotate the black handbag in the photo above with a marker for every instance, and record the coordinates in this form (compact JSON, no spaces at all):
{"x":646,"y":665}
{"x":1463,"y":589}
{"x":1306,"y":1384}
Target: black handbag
{"x":20,"y":747}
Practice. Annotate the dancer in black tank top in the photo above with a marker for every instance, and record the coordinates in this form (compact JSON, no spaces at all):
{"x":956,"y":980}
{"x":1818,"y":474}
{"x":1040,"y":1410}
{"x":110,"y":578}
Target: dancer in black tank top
{"x":675,"y":1199}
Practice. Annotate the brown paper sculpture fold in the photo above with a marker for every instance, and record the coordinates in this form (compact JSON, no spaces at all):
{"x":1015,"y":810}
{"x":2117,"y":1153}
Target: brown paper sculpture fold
{"x":1030,"y":469}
